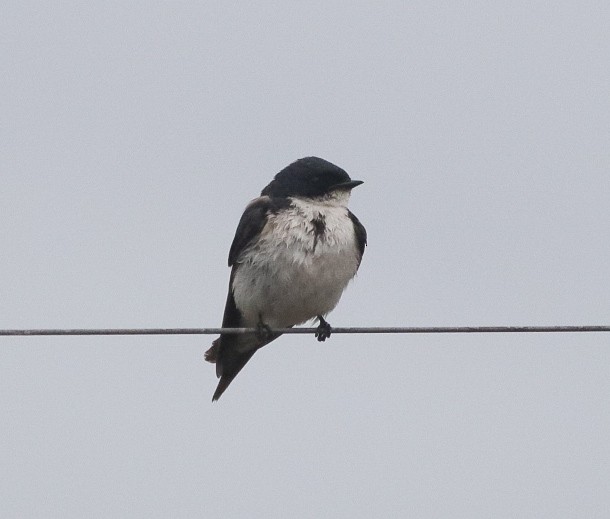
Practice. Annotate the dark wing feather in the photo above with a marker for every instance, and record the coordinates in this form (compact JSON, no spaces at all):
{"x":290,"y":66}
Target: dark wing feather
{"x":250,"y":226}
{"x":232,"y":352}
{"x":360,"y":234}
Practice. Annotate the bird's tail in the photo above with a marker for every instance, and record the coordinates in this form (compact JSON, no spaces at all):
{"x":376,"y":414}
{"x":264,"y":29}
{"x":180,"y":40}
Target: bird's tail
{"x":227,"y":377}
{"x":231,"y":353}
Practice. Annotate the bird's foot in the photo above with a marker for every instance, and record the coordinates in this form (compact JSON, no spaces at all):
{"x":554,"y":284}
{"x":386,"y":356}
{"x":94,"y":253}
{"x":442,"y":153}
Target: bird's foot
{"x":263,"y":331}
{"x":324,"y":330}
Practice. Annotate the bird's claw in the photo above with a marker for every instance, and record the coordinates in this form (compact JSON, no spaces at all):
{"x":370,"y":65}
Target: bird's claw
{"x":263,"y":332}
{"x":323,"y":331}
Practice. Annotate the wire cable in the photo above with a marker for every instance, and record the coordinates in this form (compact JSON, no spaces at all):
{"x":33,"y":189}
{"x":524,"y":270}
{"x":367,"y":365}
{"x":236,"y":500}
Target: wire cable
{"x":369,"y":330}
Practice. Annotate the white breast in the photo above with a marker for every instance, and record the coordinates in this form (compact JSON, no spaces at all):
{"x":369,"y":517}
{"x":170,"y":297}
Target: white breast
{"x":292,"y":275}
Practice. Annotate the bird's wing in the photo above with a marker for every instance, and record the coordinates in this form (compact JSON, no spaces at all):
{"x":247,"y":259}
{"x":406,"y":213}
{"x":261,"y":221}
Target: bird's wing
{"x":250,"y":226}
{"x":360,"y":234}
{"x":232,"y":352}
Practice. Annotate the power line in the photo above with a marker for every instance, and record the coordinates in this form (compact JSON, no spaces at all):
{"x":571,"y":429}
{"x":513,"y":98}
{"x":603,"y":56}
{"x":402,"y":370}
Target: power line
{"x":378,"y":329}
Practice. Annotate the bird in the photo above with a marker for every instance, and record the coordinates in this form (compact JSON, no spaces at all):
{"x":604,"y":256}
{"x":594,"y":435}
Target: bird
{"x":296,"y":248}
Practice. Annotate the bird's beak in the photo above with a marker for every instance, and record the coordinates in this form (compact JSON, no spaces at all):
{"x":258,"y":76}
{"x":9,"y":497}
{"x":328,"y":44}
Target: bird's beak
{"x":350,"y":184}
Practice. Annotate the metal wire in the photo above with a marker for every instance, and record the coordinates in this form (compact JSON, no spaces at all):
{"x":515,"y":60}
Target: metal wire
{"x":380,"y":329}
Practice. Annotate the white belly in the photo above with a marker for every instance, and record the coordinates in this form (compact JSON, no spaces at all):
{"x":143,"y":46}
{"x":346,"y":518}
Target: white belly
{"x":291,"y":276}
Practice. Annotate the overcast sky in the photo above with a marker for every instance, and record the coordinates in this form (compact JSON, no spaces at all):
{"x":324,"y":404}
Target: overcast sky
{"x":133,"y":135}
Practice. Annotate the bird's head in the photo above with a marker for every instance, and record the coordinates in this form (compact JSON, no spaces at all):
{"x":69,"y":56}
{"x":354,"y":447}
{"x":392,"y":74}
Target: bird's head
{"x":311,"y":177}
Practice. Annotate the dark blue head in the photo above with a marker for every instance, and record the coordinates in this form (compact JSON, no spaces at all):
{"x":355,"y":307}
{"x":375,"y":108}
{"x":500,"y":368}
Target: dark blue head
{"x":309,"y":177}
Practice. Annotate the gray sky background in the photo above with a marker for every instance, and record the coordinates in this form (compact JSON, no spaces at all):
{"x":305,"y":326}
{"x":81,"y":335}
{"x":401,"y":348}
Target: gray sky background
{"x":134,"y":133}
